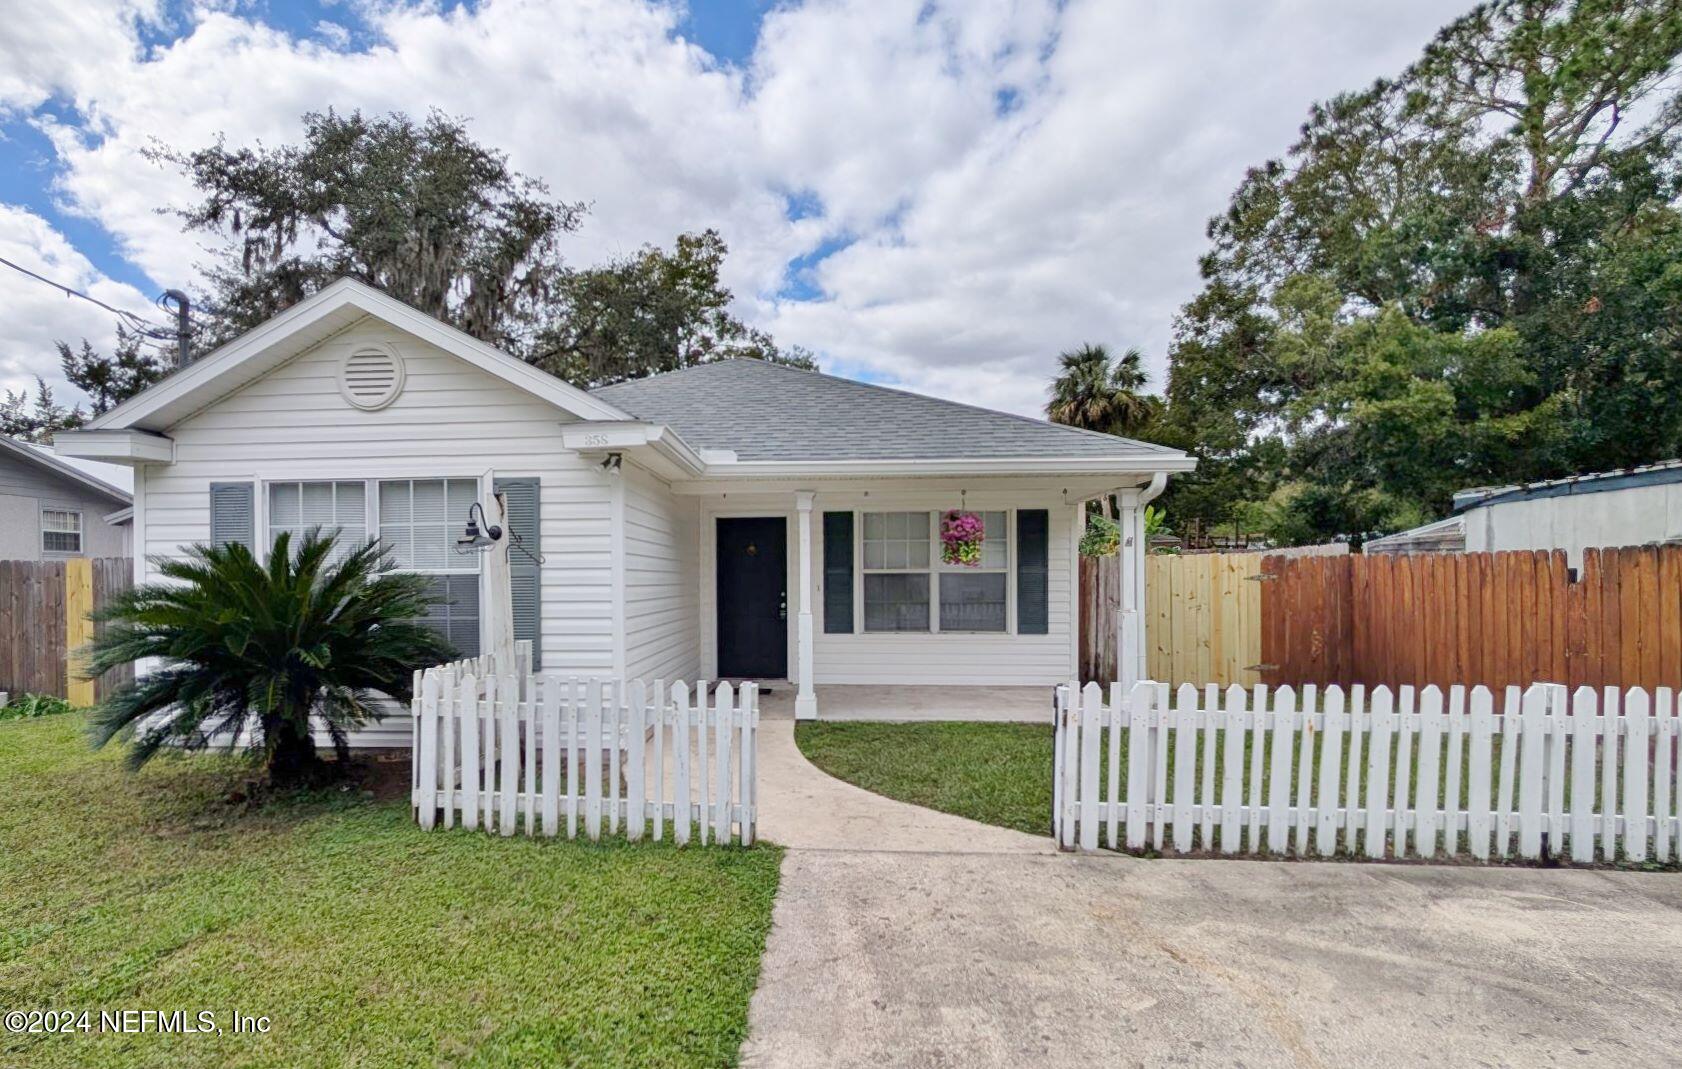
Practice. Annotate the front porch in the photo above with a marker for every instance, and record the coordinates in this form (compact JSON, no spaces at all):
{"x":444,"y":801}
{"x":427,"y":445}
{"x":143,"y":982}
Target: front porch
{"x":839,"y":596}
{"x":844,"y":701}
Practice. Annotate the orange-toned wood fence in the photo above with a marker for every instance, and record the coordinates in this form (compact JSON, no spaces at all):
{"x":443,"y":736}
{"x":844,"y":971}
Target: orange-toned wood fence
{"x":1498,"y":619}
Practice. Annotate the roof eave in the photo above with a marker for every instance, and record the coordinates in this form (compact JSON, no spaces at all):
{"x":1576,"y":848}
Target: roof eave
{"x":1121,"y":466}
{"x":59,"y":467}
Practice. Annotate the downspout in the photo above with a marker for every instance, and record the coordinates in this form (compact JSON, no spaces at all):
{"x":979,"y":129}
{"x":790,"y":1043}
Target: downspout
{"x":1130,"y":625}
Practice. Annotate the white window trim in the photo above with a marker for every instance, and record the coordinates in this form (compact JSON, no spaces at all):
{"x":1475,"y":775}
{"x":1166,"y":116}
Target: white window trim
{"x":81,"y":531}
{"x":1008,"y":571}
{"x":371,"y":505}
{"x":934,"y":571}
{"x":265,"y":536}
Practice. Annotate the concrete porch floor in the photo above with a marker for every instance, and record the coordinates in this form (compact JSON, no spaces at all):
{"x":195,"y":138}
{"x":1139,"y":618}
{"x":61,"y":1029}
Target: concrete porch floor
{"x":911,"y":704}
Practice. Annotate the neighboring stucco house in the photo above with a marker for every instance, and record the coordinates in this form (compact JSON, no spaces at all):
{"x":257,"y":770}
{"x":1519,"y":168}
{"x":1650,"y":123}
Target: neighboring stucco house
{"x":51,"y":509}
{"x":1627,"y":507}
{"x":736,"y":519}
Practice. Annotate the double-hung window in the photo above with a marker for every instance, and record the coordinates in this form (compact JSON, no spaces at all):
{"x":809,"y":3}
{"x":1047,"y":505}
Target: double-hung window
{"x":897,"y":554}
{"x":908,"y":588}
{"x":61,"y":531}
{"x":974,"y":598}
{"x":295,"y":507}
{"x":419,"y":520}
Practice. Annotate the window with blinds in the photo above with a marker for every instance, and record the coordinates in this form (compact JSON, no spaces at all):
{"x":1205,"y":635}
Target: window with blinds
{"x":61,"y":531}
{"x":295,"y":507}
{"x":419,"y":521}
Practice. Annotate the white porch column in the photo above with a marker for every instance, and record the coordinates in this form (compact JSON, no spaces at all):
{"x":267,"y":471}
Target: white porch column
{"x":1132,"y":662}
{"x":806,"y":699}
{"x":1130,"y":648}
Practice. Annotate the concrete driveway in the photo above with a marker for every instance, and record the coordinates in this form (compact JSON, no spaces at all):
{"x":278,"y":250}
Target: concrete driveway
{"x":973,"y":946}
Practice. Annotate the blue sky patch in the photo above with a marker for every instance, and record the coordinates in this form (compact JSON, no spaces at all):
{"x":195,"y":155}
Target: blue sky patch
{"x":729,"y":29}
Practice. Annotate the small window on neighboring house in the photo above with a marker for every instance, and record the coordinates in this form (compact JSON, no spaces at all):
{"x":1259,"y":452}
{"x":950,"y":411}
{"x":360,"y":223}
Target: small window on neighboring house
{"x":61,"y":531}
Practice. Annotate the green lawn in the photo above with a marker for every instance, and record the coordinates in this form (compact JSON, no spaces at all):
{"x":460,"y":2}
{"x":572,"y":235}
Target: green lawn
{"x":366,"y":940}
{"x":994,"y":773}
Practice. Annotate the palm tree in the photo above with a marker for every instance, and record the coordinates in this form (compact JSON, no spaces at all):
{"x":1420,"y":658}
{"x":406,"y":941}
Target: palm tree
{"x":1097,"y":395}
{"x":262,"y":650}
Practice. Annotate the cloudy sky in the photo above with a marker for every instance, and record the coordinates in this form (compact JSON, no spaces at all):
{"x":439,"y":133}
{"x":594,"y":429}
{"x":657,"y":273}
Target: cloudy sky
{"x":940,"y":196}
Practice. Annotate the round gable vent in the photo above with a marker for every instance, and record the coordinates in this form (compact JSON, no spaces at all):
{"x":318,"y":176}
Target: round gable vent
{"x":372,"y":376}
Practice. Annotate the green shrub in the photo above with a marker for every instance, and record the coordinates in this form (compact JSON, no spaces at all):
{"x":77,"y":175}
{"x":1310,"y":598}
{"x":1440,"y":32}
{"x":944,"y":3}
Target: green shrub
{"x":30,"y":706}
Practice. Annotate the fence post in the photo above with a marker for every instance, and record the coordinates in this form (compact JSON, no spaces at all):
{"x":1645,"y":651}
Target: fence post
{"x":426,"y":792}
{"x":78,"y":627}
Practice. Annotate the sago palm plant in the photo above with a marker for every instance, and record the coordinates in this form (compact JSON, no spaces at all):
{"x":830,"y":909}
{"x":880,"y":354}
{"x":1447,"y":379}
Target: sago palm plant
{"x":243,"y":650}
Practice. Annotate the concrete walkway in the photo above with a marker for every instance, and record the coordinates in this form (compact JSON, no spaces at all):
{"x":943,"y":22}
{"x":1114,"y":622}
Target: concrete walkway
{"x":904,"y":937}
{"x":804,"y":808}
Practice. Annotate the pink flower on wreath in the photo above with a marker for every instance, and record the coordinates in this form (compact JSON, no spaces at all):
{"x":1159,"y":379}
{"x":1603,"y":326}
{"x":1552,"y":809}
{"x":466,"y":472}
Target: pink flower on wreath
{"x":961,"y":535}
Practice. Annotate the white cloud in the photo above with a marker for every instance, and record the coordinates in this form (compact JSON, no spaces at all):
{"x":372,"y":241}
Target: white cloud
{"x":36,"y":315}
{"x":1014,"y":178}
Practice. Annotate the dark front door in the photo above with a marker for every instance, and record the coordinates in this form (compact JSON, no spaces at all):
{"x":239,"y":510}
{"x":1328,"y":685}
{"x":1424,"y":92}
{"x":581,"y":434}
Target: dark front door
{"x":753,"y":598}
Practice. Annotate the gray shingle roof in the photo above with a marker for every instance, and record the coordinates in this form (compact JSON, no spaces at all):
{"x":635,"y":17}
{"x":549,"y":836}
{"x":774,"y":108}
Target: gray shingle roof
{"x":771,"y":412}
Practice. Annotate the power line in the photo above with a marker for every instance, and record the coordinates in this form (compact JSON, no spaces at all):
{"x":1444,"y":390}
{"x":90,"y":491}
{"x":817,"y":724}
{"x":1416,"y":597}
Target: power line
{"x":140,"y":325}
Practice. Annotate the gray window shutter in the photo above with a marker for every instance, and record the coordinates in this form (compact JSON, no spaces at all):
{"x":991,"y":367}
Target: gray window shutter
{"x":233,"y":515}
{"x":838,"y":573}
{"x":1033,"y":587}
{"x":526,"y":575}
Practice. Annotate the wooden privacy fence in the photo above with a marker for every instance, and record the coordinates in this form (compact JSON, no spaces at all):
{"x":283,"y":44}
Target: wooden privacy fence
{"x":551,"y":753}
{"x":44,"y":606}
{"x":1499,"y":619}
{"x":1201,"y":612}
{"x":1423,"y":774}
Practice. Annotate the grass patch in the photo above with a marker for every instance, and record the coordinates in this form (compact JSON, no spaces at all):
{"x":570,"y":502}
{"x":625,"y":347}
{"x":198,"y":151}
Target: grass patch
{"x":995,"y":773}
{"x":366,"y":940}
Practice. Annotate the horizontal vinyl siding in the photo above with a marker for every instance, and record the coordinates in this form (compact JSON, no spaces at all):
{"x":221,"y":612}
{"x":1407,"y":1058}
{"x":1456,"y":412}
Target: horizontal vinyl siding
{"x":916,"y":658}
{"x":450,"y":420}
{"x":662,"y":639}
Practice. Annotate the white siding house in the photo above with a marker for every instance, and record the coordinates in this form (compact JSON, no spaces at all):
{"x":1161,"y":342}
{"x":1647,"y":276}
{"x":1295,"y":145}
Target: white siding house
{"x":734,"y":519}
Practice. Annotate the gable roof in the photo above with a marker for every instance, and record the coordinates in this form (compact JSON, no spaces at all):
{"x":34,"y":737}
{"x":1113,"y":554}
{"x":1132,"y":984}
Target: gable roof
{"x":313,"y":320}
{"x":40,"y":458}
{"x":771,"y":412}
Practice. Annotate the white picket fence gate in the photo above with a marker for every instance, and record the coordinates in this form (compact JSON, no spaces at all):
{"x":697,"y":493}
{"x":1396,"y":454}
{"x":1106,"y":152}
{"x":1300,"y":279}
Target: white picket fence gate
{"x":1379,"y":774}
{"x":554,"y":754}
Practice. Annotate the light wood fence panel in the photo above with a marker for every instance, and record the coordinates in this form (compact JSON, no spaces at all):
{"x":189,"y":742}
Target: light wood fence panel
{"x":1576,"y":775}
{"x":1201,"y":613}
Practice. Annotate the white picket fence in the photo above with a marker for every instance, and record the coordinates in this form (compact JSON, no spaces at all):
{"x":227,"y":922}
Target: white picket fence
{"x":554,"y":753}
{"x":1379,"y":774}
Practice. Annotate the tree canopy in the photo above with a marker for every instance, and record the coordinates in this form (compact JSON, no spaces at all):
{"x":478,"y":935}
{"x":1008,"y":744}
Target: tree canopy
{"x":421,"y":210}
{"x":1097,"y":393}
{"x":1466,"y":274}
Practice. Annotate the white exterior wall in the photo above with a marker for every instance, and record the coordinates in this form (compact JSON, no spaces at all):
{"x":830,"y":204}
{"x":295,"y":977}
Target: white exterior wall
{"x":901,"y":657}
{"x":451,"y":419}
{"x":1635,"y":516}
{"x":661,"y":579}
